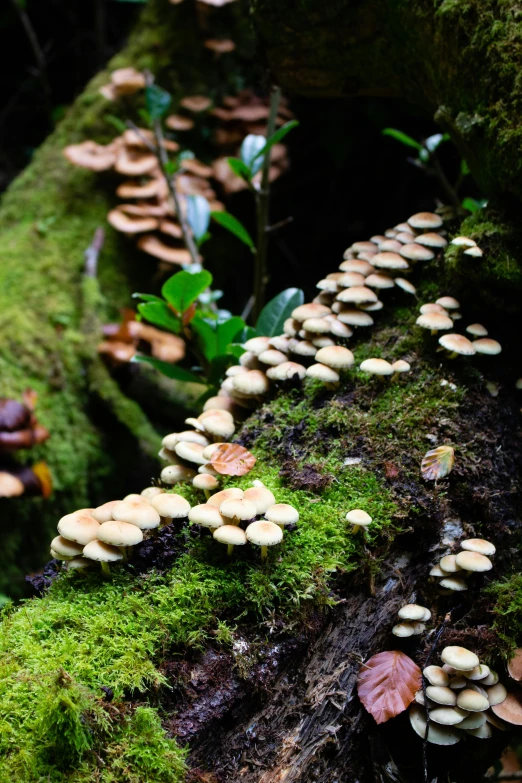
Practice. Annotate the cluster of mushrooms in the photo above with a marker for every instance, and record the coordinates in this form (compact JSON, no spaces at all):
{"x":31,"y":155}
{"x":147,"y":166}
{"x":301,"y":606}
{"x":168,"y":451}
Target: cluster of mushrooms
{"x":413,"y":619}
{"x":122,"y":341}
{"x":462,"y":696}
{"x":255,"y":508}
{"x":439,"y":316}
{"x":20,"y":430}
{"x":452,"y":570}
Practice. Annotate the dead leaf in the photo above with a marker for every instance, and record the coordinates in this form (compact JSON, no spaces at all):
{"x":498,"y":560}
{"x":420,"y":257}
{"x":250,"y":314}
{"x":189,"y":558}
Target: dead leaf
{"x":43,"y":474}
{"x":230,"y":459}
{"x":387,"y":684}
{"x":437,"y":463}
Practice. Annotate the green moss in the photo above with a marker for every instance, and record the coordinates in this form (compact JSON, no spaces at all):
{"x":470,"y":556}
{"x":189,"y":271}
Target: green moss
{"x":507,"y":611}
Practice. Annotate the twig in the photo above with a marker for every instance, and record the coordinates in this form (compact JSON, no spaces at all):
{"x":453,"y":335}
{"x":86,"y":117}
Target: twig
{"x":263,"y":204}
{"x":248,"y":307}
{"x":163,"y":159}
{"x":92,"y":253}
{"x":281,"y":224}
{"x":132,"y":125}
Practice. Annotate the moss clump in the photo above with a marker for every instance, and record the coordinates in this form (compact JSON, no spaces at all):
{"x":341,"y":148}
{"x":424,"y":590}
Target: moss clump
{"x":507,"y":611}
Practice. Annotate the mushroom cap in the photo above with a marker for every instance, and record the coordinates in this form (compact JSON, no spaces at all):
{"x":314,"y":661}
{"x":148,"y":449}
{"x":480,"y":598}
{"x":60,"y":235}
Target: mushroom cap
{"x":471,"y":700}
{"x":152,"y":245}
{"x":104,"y":512}
{"x":238,"y":508}
{"x":496,"y":694}
{"x":218,"y":423}
{"x":261,"y":497}
{"x":141,"y":514}
{"x":257,"y":345}
{"x":357,"y":294}
{"x":474,"y":252}
{"x":434,"y":321}
{"x":515,"y":665}
{"x":322,"y":342}
{"x":78,"y":563}
{"x":273,"y":357}
{"x":119,"y":533}
{"x":425,"y":221}
{"x":416,"y":252}
{"x":232,"y":493}
{"x":487,"y":345}
{"x":302,"y":347}
{"x":251,"y":383}
{"x":191,"y":452}
{"x":460,"y":658}
{"x":317,"y":325}
{"x":231,"y":535}
{"x":364,"y":247}
{"x":431,"y":239}
{"x":401,"y":366}
{"x":280,"y":343}
{"x":454,"y":583}
{"x":177,"y":122}
{"x":394,"y":245}
{"x":150,"y":492}
{"x":90,"y":155}
{"x":405,"y":285}
{"x":312,"y":310}
{"x":510,"y":709}
{"x":354,"y":317}
{"x":65,"y":548}
{"x":171,"y":505}
{"x":130,"y":224}
{"x":431,"y":307}
{"x":477,"y":330}
{"x":264,"y":533}
{"x":79,"y":527}
{"x":448,"y":716}
{"x":195,"y":103}
{"x":473,"y":561}
{"x":412,"y":612}
{"x":376,"y":367}
{"x":474,"y":721}
{"x":373,"y":307}
{"x":173,"y":474}
{"x":479,"y":545}
{"x":389,"y":260}
{"x":491,"y":679}
{"x":436,"y":675}
{"x":463,"y":242}
{"x":441,"y":694}
{"x":358,"y":517}
{"x":448,"y":302}
{"x":436,"y":570}
{"x":102,"y":552}
{"x":205,"y":481}
{"x":322,"y":373}
{"x":285,"y":371}
{"x":335,"y":356}
{"x":339,"y":329}
{"x":349,"y":279}
{"x":403,"y":630}
{"x":206,"y":516}
{"x":188,"y":436}
{"x":359,"y":265}
{"x":208,"y":451}
{"x":436,"y":733}
{"x":379,"y":282}
{"x":449,"y":564}
{"x":282,"y":514}
{"x":457,"y":343}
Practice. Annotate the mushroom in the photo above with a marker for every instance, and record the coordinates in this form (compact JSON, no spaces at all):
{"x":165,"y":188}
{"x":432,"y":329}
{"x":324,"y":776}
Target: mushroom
{"x":189,"y":436}
{"x":141,"y":514}
{"x":380,"y":282}
{"x":120,"y":534}
{"x":252,"y":383}
{"x":356,"y":265}
{"x":448,"y":716}
{"x":357,"y":294}
{"x":205,"y":482}
{"x":196,"y":103}
{"x":459,"y":658}
{"x":90,"y":155}
{"x":454,"y":583}
{"x":177,"y":122}
{"x":150,"y":244}
{"x":487,"y":346}
{"x":431,"y":307}
{"x":414,"y":612}
{"x":434,"y":733}
{"x":78,"y":564}
{"x":218,"y":423}
{"x":399,"y":367}
{"x":174,"y":474}
{"x":233,"y":493}
{"x":510,"y":710}
{"x":79,"y":527}
{"x":354,"y":317}
{"x":473,"y":702}
{"x":415,"y":252}
{"x":431,"y":239}
{"x":474,"y":252}
{"x":436,"y":675}
{"x":463,"y":242}
{"x":405,"y":285}
{"x":441,"y":694}
{"x":303,"y":312}
{"x":448,"y":302}
{"x":191,"y":452}
{"x":282,"y":514}
{"x":403,"y":630}
{"x":230,"y":535}
{"x":434,"y":321}
{"x":170,"y":506}
{"x":448,"y":564}
{"x":220,"y":45}
{"x":457,"y":345}
{"x":272,"y":357}
{"x":477,"y":330}
{"x":379,"y":367}
{"x":264,"y":534}
{"x":261,"y":497}
{"x":473,"y":561}
{"x":238,"y":510}
{"x":321,"y":372}
{"x":150,"y":492}
{"x":336,"y":357}
{"x":103,"y":554}
{"x":104,"y":512}
{"x":206,"y":515}
{"x":63,"y":549}
{"x":358,"y":519}
{"x":425,"y":221}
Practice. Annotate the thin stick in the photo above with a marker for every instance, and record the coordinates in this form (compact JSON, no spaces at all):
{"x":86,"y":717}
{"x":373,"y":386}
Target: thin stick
{"x":92,"y":253}
{"x":263,"y":204}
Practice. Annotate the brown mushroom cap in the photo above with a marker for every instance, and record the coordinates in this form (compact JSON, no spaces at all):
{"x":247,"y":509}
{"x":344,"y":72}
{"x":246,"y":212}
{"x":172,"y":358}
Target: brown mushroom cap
{"x":510,"y":709}
{"x":220,"y":45}
{"x":434,"y":321}
{"x":431,"y":239}
{"x":425,"y":221}
{"x":457,"y":343}
{"x":150,"y":244}
{"x":127,"y":80}
{"x":487,"y":345}
{"x":89,"y":155}
{"x":131,"y":225}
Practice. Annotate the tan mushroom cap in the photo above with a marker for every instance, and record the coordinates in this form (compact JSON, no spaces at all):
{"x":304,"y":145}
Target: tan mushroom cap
{"x":286,"y":371}
{"x":349,"y":279}
{"x":434,"y":321}
{"x":354,"y":317}
{"x":272,"y":357}
{"x":127,"y":80}
{"x":171,"y":505}
{"x":79,"y":527}
{"x":357,"y":294}
{"x":358,"y":517}
{"x":104,"y":512}
{"x":177,"y":122}
{"x":338,"y":329}
{"x":436,"y":734}
{"x":257,"y":345}
{"x":196,"y":103}
{"x":474,"y":252}
{"x":205,"y":481}
{"x":448,"y":716}
{"x":129,"y":224}
{"x":150,"y":244}
{"x":381,"y":282}
{"x":363,"y":247}
{"x":412,"y":612}
{"x":515,"y":665}
{"x":316,"y":325}
{"x":150,"y":492}
{"x":120,"y":534}
{"x":282,"y":514}
{"x":218,"y":423}
{"x":448,"y":302}
{"x":206,"y":516}
{"x":425,"y":221}
{"x":471,"y":700}
{"x":78,"y":563}
{"x":102,"y":552}
{"x":264,"y":533}
{"x":62,"y":547}
{"x":510,"y":709}
{"x":415,"y":252}
{"x":90,"y":155}
{"x":208,"y":451}
{"x":460,"y":658}
{"x":441,"y":694}
{"x":302,"y":347}
{"x":233,"y":493}
{"x":321,"y":372}
{"x":261,"y":497}
{"x":487,"y":345}
{"x":390,"y":260}
{"x":454,"y":583}
{"x":231,"y":535}
{"x":473,"y":561}
{"x":477,"y":330}
{"x":220,"y":45}
{"x":457,"y":343}
{"x":376,"y":367}
{"x":173,"y":474}
{"x":436,"y":675}
{"x":189,"y":436}
{"x":463,"y":242}
{"x":394,"y":245}
{"x":401,"y":366}
{"x":431,"y":307}
{"x":474,"y":721}
{"x":191,"y":452}
{"x":431,"y":239}
{"x":359,"y":265}
{"x":496,"y":694}
{"x":335,"y":356}
{"x":238,"y":508}
{"x":323,"y":342}
{"x":405,"y":285}
{"x":312,"y":310}
{"x":449,"y":565}
{"x":403,"y":630}
{"x":251,"y":383}
{"x":141,"y":514}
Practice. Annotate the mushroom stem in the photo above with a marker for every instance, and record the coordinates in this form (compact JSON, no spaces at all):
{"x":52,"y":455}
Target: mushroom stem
{"x":125,"y":552}
{"x":105,"y":569}
{"x":230,"y":549}
{"x":264,"y":552}
{"x":165,"y":521}
{"x":207,"y":493}
{"x":453,"y":355}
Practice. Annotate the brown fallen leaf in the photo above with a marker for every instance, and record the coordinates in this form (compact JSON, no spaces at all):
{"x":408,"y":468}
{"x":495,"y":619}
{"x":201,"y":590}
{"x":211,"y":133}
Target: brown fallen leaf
{"x":437,"y":463}
{"x":230,"y":459}
{"x":387,"y":684}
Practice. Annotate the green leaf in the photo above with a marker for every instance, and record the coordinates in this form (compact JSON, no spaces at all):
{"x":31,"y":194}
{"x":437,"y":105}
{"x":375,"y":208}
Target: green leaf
{"x":235,"y":349}
{"x":239,"y":168}
{"x":250,"y":150}
{"x":245,"y":335}
{"x":218,"y":366}
{"x":147,"y":297}
{"x":473,"y":204}
{"x":183,"y":288}
{"x":227,"y":332}
{"x":402,"y":137}
{"x":170,"y":370}
{"x":433,"y":142}
{"x":276,"y":137}
{"x":207,"y":336}
{"x":216,"y":337}
{"x":233,"y":225}
{"x":159,"y":314}
{"x":274,"y":313}
{"x":464,"y":168}
{"x":171,"y":167}
{"x":157,"y":100}
{"x":198,"y":215}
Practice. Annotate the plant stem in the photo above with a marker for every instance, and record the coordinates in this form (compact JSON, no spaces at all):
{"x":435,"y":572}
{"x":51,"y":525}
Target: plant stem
{"x":444,"y":182}
{"x":263,"y":205}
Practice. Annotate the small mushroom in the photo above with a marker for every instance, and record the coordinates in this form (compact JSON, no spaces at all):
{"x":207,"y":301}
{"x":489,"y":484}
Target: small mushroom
{"x":425,"y":221}
{"x":434,"y":733}
{"x":436,"y":676}
{"x":473,"y":561}
{"x":62,"y":549}
{"x":469,"y":700}
{"x":487,"y":346}
{"x":206,"y":515}
{"x":137,"y":512}
{"x":205,"y":482}
{"x":399,"y":367}
{"x":459,"y":658}
{"x":379,"y":367}
{"x":103,"y":554}
{"x":261,"y":497}
{"x":286,"y":371}
{"x":358,"y":519}
{"x":477,"y":330}
{"x":405,"y":285}
{"x":120,"y":534}
{"x":282,"y":514}
{"x":170,"y":506}
{"x":232,"y":493}
{"x":457,"y":345}
{"x":264,"y":534}
{"x":231,"y":535}
{"x":150,"y":492}
{"x":434,"y":322}
{"x":321,"y":372}
{"x":441,"y":694}
{"x":79,"y":527}
{"x":413,"y":612}
{"x":238,"y":510}
{"x":478,"y":545}
{"x":174,"y":474}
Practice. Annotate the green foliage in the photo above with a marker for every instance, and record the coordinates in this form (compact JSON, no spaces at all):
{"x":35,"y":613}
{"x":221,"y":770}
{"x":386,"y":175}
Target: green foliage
{"x":182,"y":289}
{"x":403,"y":138}
{"x":215,"y":336}
{"x":157,"y":101}
{"x":473,"y":204}
{"x":233,"y":225}
{"x":239,"y":168}
{"x":274,"y":313}
{"x":169,"y":370}
{"x":159,"y":314}
{"x":198,"y":216}
{"x":275,"y":138}
{"x":250,"y":152}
